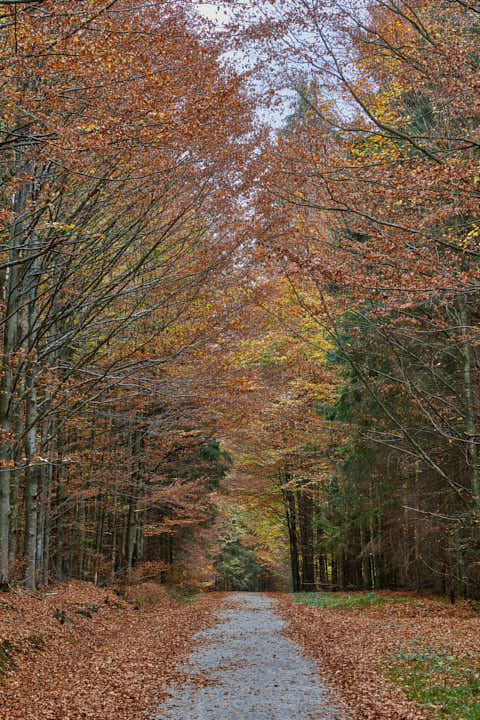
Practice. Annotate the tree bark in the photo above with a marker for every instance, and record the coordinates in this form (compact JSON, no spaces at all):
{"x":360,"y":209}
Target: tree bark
{"x":10,"y":335}
{"x":291,"y":515}
{"x":470,"y":424}
{"x":305,"y":521}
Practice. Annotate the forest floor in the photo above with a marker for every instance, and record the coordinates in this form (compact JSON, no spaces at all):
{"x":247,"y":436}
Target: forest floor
{"x":392,"y":656}
{"x":75,"y":651}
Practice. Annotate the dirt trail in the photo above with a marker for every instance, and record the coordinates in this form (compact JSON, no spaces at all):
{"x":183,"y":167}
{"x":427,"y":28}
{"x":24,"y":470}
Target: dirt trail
{"x":244,"y":668}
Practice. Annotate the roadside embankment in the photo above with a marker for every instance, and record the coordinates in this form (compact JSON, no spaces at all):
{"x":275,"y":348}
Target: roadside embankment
{"x":76,"y":651}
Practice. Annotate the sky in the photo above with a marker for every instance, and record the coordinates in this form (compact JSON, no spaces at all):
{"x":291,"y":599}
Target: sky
{"x":276,"y":117}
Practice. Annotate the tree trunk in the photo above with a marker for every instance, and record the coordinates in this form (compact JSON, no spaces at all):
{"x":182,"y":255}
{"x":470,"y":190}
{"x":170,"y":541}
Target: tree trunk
{"x":291,"y":515}
{"x":31,"y":491}
{"x":470,"y":409}
{"x":10,"y":335}
{"x":305,"y":521}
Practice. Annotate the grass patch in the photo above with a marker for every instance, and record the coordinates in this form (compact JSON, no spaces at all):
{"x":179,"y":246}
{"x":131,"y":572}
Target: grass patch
{"x":344,"y":601}
{"x":340,"y":601}
{"x":436,"y":680}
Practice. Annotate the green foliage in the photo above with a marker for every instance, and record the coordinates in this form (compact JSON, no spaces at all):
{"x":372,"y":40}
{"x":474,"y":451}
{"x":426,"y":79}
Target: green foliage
{"x":252,"y":548}
{"x":419,"y":110}
{"x":239,"y":565}
{"x":305,"y":112}
{"x":447,"y":685}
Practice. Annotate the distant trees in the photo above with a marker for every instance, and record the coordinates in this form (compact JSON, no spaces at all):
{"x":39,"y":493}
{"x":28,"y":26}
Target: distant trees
{"x":370,"y":210}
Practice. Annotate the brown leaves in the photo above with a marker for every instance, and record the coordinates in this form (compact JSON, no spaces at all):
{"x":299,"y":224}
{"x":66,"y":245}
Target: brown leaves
{"x":116,"y":664}
{"x":354,"y":647}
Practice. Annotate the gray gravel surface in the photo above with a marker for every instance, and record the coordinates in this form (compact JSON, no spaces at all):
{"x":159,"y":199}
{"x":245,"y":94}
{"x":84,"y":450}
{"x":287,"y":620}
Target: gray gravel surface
{"x":245,"y":668}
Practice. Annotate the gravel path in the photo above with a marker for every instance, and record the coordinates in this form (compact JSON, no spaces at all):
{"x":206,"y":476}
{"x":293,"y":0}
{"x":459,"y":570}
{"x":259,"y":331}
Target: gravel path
{"x":244,"y":668}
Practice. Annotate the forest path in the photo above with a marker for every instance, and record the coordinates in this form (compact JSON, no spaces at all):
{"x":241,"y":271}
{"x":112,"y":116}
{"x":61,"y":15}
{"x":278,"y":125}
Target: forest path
{"x":244,"y":668}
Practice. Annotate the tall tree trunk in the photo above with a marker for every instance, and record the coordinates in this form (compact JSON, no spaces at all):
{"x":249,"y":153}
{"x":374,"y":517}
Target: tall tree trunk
{"x":33,"y":475}
{"x":59,"y":507}
{"x":31,"y":490}
{"x":48,"y":523}
{"x":470,"y":409}
{"x":113,"y":559}
{"x":82,"y":537}
{"x":291,"y":515}
{"x":99,"y":538}
{"x":19,"y":429}
{"x":43,"y":473}
{"x":135,"y":492}
{"x":10,"y":335}
{"x":305,"y":521}
{"x":366,"y":578}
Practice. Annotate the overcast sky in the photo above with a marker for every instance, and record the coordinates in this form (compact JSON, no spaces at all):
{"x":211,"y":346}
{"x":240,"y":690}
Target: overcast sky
{"x":276,"y":117}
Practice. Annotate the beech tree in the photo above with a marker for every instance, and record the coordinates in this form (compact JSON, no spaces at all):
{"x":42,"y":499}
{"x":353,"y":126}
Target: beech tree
{"x":115,"y":157}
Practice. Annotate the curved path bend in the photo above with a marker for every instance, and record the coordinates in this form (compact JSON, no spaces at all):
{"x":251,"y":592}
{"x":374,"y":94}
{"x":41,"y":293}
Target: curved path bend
{"x":244,"y":668}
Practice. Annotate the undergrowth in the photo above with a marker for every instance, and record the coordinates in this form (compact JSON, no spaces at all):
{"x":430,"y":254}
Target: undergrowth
{"x":185,"y":596}
{"x":339,"y":601}
{"x":446,"y":685}
{"x":144,"y":595}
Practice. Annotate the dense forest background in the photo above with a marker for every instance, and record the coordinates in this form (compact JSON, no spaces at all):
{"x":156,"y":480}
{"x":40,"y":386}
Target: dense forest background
{"x":236,"y":356}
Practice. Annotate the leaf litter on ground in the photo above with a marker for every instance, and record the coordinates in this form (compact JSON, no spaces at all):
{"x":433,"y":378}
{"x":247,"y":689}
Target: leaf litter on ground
{"x":112,"y":662}
{"x":369,"y":647}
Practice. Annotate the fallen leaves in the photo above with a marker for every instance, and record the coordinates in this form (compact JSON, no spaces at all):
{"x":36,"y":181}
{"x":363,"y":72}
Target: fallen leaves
{"x":114,"y":665}
{"x":354,"y":647}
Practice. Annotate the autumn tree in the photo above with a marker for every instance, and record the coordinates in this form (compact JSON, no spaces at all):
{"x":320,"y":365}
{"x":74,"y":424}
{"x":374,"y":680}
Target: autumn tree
{"x":370,"y":198}
{"x":115,"y":159}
